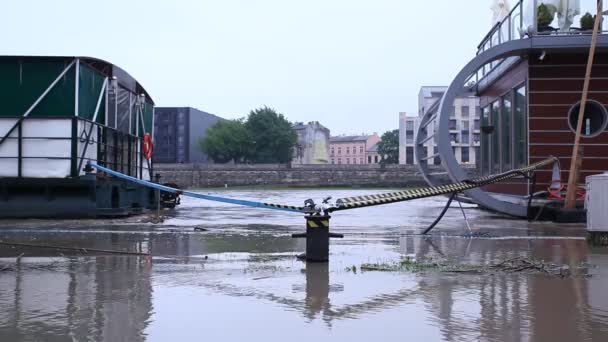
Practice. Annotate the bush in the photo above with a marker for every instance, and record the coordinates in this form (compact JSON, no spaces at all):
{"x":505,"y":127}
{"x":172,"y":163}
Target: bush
{"x":587,"y":22}
{"x":545,"y":17}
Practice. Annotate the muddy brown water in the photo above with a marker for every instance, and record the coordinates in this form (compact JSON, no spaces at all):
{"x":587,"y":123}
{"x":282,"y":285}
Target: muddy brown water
{"x":240,"y":281}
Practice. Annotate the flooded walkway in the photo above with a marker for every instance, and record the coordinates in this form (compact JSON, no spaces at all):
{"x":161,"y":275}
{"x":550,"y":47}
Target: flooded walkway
{"x":237,"y":278}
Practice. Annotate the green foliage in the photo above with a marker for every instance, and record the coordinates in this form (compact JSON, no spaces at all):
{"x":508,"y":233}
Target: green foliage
{"x":388,"y":147}
{"x":545,"y":17}
{"x":264,"y":137}
{"x":227,"y":141}
{"x":273,"y":138}
{"x":587,"y":22}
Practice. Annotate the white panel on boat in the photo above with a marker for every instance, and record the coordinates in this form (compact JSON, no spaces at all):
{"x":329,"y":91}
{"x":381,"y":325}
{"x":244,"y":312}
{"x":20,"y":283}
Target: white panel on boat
{"x":146,"y":173}
{"x":91,"y":149}
{"x":9,"y":148}
{"x":46,"y":168}
{"x":48,"y":128}
{"x":47,"y":148}
{"x":5,"y":125}
{"x":8,"y":167}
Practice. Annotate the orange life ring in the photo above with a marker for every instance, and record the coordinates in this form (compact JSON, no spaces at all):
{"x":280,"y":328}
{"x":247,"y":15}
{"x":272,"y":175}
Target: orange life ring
{"x":147,"y":146}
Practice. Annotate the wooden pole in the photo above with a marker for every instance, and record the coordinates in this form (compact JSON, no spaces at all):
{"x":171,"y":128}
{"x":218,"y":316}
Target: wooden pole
{"x":575,"y":162}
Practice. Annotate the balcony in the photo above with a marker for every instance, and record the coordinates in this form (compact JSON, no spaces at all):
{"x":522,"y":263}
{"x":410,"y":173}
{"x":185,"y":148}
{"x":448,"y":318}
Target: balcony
{"x":522,"y":23}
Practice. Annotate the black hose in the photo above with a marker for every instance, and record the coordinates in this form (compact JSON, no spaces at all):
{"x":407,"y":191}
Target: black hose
{"x":447,"y":206}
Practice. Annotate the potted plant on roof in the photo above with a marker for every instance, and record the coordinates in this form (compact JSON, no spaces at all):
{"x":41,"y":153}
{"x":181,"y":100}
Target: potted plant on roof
{"x":587,"y":22}
{"x":544,"y":18}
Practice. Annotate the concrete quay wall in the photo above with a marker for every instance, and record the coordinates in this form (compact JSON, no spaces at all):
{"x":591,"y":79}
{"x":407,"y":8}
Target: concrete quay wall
{"x":193,"y":176}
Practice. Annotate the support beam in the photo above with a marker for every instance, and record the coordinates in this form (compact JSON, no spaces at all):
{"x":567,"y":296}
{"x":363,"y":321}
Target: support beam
{"x":77,"y":88}
{"x":88,"y":135}
{"x":574,"y":167}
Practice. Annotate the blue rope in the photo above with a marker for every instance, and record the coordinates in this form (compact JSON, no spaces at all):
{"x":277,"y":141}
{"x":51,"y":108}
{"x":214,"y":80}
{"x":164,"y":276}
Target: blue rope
{"x":200,"y":196}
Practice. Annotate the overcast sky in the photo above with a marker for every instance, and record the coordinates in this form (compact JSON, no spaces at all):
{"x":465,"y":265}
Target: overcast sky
{"x":352,"y":65}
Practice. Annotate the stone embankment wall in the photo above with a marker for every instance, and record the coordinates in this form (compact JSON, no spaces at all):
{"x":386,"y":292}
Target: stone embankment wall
{"x":205,"y":176}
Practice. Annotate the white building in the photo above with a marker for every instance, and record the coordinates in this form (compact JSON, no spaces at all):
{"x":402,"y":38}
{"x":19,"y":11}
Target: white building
{"x":313,"y":143}
{"x":464,"y":127}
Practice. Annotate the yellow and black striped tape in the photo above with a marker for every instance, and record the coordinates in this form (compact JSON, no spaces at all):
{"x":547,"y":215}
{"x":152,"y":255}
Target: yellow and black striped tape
{"x":281,"y":206}
{"x":312,"y":223}
{"x":406,"y":195}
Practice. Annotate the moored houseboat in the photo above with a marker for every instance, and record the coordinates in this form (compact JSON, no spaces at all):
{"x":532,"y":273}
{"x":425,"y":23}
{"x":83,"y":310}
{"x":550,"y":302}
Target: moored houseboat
{"x":56,"y":115}
{"x":529,"y":72}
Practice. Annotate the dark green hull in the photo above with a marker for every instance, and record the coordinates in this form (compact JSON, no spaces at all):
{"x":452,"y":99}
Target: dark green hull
{"x":83,"y":197}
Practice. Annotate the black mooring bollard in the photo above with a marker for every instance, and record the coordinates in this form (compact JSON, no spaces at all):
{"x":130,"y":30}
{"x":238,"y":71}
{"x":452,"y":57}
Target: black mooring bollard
{"x":317,"y":237}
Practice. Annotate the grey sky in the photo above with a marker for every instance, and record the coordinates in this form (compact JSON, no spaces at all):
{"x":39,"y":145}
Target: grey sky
{"x":352,"y":65}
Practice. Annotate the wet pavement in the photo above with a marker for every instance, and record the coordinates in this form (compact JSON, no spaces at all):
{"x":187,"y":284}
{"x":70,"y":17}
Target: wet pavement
{"x":239,"y":280}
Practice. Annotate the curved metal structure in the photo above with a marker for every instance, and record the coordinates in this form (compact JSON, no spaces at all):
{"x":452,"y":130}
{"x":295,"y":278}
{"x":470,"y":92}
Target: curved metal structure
{"x":514,"y":48}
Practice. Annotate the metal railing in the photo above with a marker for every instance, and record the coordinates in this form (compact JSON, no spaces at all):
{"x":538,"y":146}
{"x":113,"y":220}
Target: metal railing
{"x":117,"y":150}
{"x":522,"y":23}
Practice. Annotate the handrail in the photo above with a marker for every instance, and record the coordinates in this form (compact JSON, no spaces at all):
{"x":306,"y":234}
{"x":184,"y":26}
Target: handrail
{"x":495,"y":28}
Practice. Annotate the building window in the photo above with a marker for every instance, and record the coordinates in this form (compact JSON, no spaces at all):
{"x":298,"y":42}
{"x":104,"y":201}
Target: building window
{"x":369,"y":159}
{"x":409,"y":155}
{"x":465,"y":137}
{"x":339,"y":160}
{"x":409,"y":137}
{"x":409,"y":132}
{"x":354,"y":160}
{"x":453,"y":125}
{"x":423,"y":155}
{"x":464,"y":111}
{"x":333,"y":161}
{"x":437,"y":159}
{"x":476,"y":138}
{"x":595,"y":118}
{"x":464,"y":155}
{"x":347,"y":160}
{"x":454,"y":137}
{"x":361,"y":150}
{"x":485,"y":141}
{"x":339,"y":150}
{"x":505,"y":132}
{"x":348,"y":150}
{"x":375,"y":159}
{"x":476,"y":124}
{"x":520,"y":120}
{"x":495,"y":137}
{"x":332,"y":151}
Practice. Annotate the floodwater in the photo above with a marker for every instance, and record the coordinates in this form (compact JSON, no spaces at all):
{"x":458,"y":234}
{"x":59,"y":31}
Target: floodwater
{"x":239,"y":279}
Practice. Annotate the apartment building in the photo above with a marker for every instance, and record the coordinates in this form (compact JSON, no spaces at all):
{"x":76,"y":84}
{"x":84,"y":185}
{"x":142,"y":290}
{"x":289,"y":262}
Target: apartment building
{"x":353,"y":149}
{"x":177,"y":132}
{"x":464,"y":128}
{"x":313,"y":143}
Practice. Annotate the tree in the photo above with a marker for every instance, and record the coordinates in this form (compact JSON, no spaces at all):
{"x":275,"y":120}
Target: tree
{"x":273,"y":138}
{"x":227,"y":141}
{"x":388,"y":147}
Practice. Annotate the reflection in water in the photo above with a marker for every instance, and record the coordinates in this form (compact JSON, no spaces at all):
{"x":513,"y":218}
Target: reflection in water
{"x":250,"y":269}
{"x":78,"y":297}
{"x":513,"y":306}
{"x":110,"y":298}
{"x":317,"y":290}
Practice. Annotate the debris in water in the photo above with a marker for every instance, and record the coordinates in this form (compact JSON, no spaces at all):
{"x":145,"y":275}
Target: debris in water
{"x":514,"y":265}
{"x":154,"y":219}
